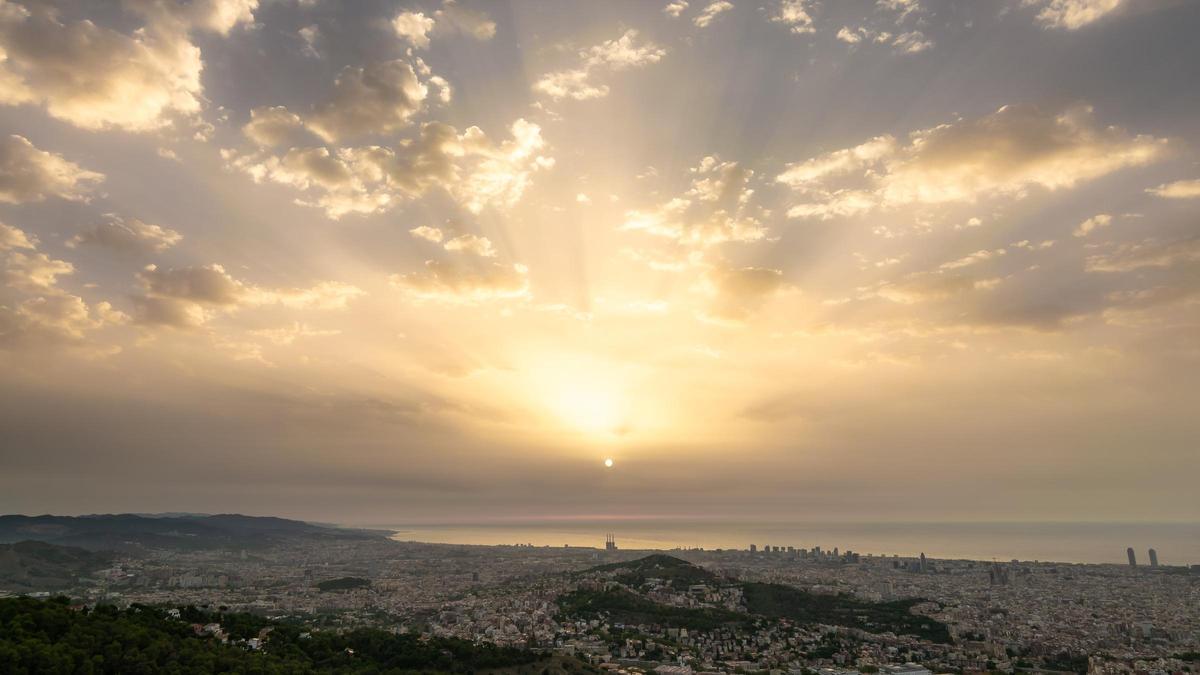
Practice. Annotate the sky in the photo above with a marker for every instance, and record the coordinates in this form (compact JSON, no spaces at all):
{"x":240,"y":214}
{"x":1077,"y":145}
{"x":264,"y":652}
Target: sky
{"x":436,"y":261}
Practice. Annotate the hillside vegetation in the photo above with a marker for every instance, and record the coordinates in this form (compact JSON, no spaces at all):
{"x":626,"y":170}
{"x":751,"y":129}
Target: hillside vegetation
{"x":49,"y":636}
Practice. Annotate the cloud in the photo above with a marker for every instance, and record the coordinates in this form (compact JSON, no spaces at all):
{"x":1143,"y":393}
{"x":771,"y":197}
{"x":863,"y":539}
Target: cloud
{"x":97,"y":78}
{"x":28,"y":174}
{"x":470,"y":243}
{"x":454,"y":282}
{"x":427,"y":233}
{"x":716,"y":209}
{"x":674,"y":9}
{"x":910,"y":42}
{"x":973,"y":258}
{"x":413,"y":27}
{"x":1180,"y":189}
{"x":34,"y":272}
{"x":52,"y":320}
{"x":796,"y":15}
{"x":453,"y":17}
{"x":375,"y":99}
{"x":208,"y":284}
{"x":738,"y":292}
{"x":12,"y":237}
{"x":132,"y":236}
{"x":272,"y":126}
{"x":416,"y":28}
{"x":902,"y":7}
{"x":1005,"y":153}
{"x":1072,"y":14}
{"x":188,"y":297}
{"x":623,"y":53}
{"x":711,"y":12}
{"x":309,"y":35}
{"x":1149,"y":253}
{"x":475,"y":170}
{"x":1097,"y":221}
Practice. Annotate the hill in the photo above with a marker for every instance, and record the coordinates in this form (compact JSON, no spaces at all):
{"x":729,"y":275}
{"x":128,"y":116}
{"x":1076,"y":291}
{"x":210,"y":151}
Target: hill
{"x":49,"y":636}
{"x":128,"y":532}
{"x":37,"y":565}
{"x":761,"y":601}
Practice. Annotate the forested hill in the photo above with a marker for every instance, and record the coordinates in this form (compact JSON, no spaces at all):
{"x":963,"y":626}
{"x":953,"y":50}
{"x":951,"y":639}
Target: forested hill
{"x":51,"y":636}
{"x":123,"y":532}
{"x":631,"y":604}
{"x":37,"y":565}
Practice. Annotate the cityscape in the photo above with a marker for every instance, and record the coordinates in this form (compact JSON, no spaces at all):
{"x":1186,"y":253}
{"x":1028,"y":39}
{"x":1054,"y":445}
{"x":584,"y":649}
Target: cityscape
{"x":587,"y":337}
{"x":670,"y":612}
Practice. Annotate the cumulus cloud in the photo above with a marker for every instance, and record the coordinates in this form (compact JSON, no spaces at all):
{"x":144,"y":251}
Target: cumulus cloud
{"x":427,"y":233}
{"x":1072,"y":14}
{"x":711,"y":12}
{"x":53,"y":320}
{"x":465,"y":282}
{"x":979,"y":256}
{"x":413,"y":27}
{"x":471,"y":243}
{"x":309,"y":36}
{"x":188,"y":297}
{"x":12,"y":237}
{"x":901,"y":7}
{"x":416,"y":28}
{"x":272,"y":126}
{"x":676,"y":8}
{"x":207,"y":284}
{"x":127,"y":236}
{"x":1095,"y":222}
{"x":912,"y":42}
{"x":1149,"y":253}
{"x":1180,"y":189}
{"x":374,"y":99}
{"x":28,"y":174}
{"x":455,"y":18}
{"x":471,"y":167}
{"x":622,"y":53}
{"x":796,"y":15}
{"x":1006,"y":153}
{"x":716,"y":209}
{"x":96,"y":77}
{"x":909,"y":42}
{"x":34,"y":271}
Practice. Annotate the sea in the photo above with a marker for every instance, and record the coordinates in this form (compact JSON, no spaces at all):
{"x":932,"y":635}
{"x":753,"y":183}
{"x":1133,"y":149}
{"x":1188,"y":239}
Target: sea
{"x":1068,"y":542}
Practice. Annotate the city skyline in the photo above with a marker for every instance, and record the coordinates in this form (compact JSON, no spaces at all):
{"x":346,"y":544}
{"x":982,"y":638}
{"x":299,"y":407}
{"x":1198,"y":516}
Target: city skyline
{"x":452,"y":261}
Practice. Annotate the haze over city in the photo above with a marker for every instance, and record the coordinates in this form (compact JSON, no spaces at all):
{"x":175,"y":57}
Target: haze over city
{"x":483,"y":262}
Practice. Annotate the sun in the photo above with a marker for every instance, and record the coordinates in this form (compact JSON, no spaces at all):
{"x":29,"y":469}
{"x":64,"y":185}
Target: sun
{"x":608,"y":462}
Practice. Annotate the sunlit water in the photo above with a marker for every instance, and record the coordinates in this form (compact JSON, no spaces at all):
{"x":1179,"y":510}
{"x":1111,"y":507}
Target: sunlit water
{"x":1176,"y":543}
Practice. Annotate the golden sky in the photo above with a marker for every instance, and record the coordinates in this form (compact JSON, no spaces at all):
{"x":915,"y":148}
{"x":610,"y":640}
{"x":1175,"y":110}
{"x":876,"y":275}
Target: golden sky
{"x":383,"y":260}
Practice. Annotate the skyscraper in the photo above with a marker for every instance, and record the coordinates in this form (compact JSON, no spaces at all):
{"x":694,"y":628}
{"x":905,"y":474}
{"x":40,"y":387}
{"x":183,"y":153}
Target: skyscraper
{"x":1132,"y":557}
{"x":1153,"y":558}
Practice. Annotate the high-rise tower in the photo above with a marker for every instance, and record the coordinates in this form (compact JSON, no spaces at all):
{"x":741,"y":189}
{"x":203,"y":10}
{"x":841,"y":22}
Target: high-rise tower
{"x":1153,"y":558}
{"x":1132,"y":557}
